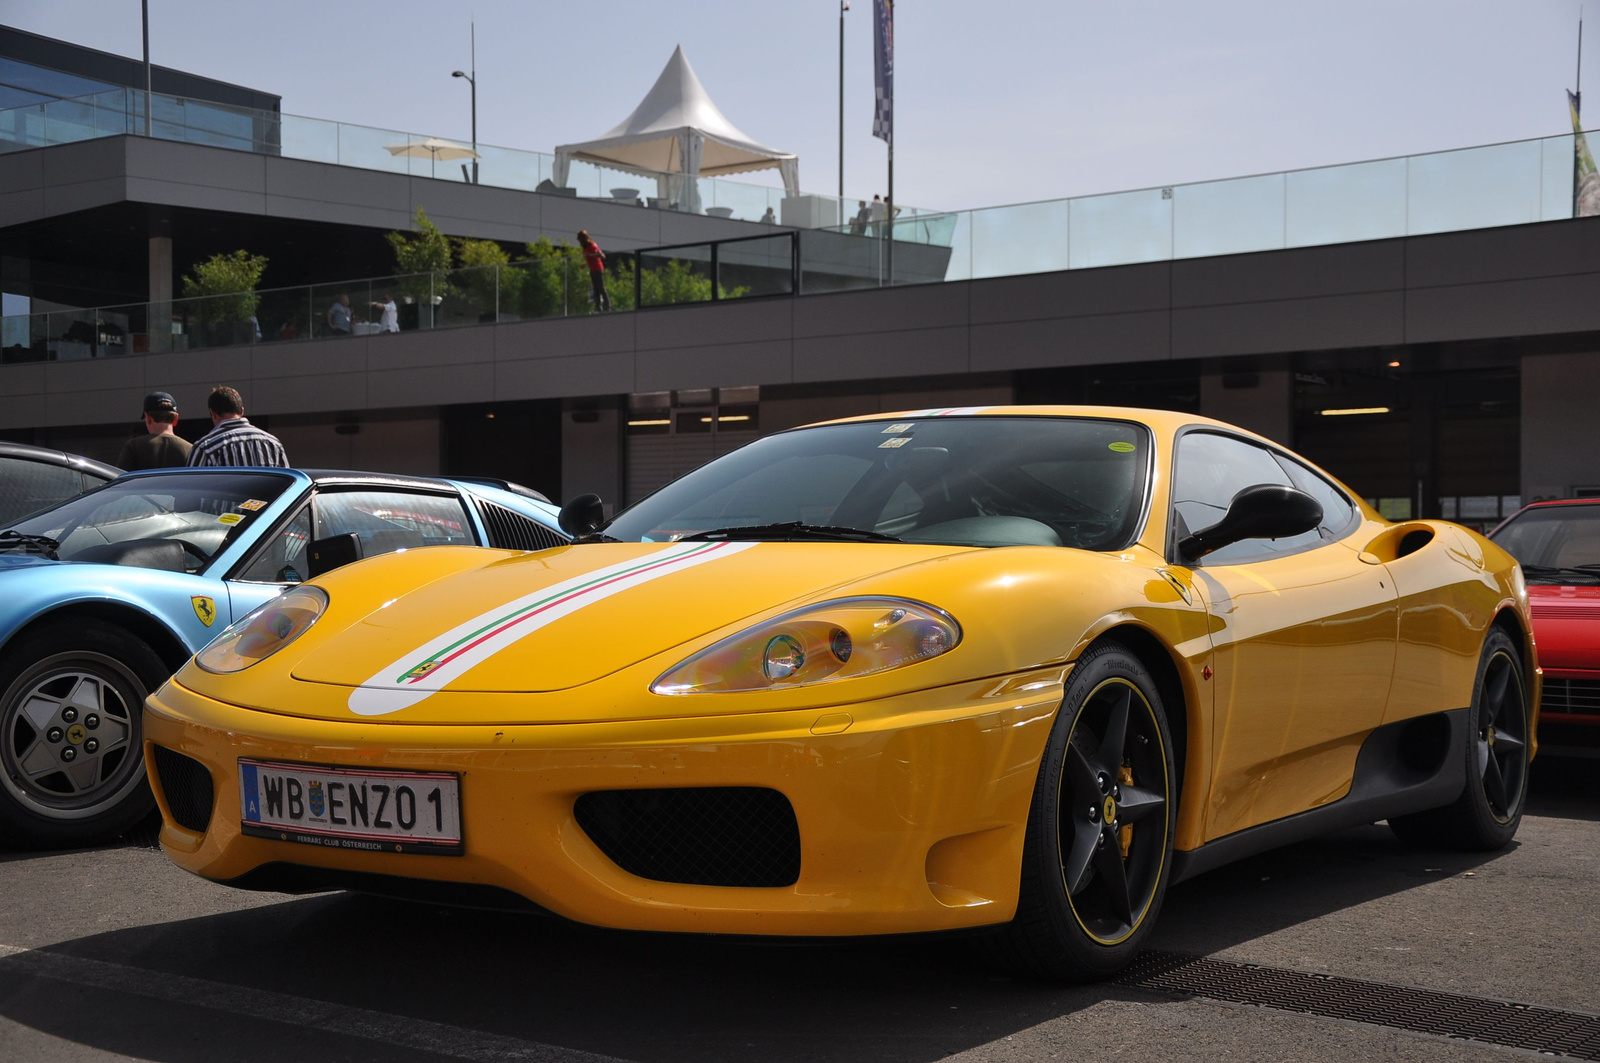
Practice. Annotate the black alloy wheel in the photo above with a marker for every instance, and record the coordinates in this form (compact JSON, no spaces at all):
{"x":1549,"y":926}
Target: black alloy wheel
{"x":1099,"y":846}
{"x":1486,"y":815}
{"x":71,"y":752}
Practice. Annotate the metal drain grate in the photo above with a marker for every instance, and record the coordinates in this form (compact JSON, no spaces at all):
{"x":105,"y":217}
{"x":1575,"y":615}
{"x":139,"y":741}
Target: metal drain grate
{"x":1426,"y":1011}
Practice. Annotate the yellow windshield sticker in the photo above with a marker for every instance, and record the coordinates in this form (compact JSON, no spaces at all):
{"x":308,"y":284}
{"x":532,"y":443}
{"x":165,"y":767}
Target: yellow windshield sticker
{"x":230,"y":518}
{"x":1121,"y":447}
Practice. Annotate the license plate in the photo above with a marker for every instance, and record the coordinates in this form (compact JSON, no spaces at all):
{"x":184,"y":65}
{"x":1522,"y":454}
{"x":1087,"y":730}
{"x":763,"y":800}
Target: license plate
{"x":344,"y":808}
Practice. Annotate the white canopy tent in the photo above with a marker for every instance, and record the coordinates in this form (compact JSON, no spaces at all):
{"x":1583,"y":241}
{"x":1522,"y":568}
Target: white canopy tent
{"x":680,"y":133}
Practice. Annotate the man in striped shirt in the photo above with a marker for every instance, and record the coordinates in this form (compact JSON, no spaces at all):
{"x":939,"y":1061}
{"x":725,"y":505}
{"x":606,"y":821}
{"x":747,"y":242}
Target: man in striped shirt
{"x":233,"y":440}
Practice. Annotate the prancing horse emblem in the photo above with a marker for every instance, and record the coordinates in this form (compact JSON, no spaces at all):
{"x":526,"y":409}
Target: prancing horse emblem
{"x":205,"y":608}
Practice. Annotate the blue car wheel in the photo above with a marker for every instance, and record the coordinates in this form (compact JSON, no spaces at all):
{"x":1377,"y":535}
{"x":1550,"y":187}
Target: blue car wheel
{"x":71,"y":756}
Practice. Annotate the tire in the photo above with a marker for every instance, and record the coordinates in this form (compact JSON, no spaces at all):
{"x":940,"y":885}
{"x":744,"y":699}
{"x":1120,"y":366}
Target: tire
{"x":71,"y":749}
{"x":1486,"y":815}
{"x":1098,"y":851}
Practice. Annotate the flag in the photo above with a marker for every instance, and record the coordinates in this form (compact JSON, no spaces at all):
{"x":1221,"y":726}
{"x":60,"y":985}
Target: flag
{"x":1585,"y":179}
{"x":883,"y":75}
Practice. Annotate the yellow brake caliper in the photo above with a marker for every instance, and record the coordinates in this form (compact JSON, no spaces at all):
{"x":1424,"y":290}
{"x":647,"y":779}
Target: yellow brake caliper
{"x":1125,"y":834}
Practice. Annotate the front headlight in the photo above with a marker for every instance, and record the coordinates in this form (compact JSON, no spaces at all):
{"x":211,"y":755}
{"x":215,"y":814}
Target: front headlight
{"x":264,"y":631}
{"x":843,"y":639}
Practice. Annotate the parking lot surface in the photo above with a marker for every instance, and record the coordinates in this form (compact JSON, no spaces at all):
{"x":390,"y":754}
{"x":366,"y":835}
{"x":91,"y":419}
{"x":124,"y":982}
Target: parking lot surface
{"x":113,"y":954}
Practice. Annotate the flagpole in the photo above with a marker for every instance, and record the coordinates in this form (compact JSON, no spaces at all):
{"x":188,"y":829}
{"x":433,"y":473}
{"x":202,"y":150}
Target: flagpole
{"x":1577,"y":119}
{"x":843,"y":7}
{"x":889,"y":208}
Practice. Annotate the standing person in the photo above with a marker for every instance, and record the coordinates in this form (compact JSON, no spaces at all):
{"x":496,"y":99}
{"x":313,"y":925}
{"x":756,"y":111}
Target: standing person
{"x":160,"y":447}
{"x":875,"y":217}
{"x":858,"y":224}
{"x":233,"y":440}
{"x":339,"y":316}
{"x":596,"y":259}
{"x":389,"y":319}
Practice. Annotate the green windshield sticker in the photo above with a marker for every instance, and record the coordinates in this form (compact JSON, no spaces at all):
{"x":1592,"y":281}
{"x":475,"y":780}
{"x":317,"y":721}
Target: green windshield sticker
{"x":1121,"y":447}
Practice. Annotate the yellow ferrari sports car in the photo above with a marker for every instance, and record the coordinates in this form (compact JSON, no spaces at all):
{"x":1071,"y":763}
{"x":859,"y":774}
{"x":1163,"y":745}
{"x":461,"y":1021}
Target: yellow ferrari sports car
{"x":1017,"y":668}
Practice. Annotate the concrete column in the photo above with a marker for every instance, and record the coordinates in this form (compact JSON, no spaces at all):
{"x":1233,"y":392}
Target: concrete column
{"x":1259,"y":400}
{"x":159,"y":324}
{"x":1560,"y":433}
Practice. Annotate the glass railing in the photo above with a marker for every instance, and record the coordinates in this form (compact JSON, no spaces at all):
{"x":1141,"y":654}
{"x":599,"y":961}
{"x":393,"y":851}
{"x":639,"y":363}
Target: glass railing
{"x":550,"y":287}
{"x":122,"y":111}
{"x":1448,"y":191}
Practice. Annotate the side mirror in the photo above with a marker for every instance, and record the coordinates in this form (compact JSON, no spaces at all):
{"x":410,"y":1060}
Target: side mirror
{"x":1265,"y":511}
{"x":334,"y":551}
{"x":582,"y":516}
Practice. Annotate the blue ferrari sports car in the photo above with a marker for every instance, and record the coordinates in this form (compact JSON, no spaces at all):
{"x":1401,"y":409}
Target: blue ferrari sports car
{"x":103,"y":596}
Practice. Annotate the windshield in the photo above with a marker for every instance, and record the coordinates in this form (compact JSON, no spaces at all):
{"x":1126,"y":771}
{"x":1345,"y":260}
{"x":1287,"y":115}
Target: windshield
{"x":976,"y":481}
{"x":178,"y":520}
{"x":1561,"y":540}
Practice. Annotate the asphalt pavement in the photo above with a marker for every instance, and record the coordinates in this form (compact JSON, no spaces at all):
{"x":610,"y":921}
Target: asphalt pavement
{"x":114,"y":954}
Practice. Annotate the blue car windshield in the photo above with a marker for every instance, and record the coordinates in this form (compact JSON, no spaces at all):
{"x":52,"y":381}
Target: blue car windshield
{"x":197,"y":511}
{"x":966,"y":480}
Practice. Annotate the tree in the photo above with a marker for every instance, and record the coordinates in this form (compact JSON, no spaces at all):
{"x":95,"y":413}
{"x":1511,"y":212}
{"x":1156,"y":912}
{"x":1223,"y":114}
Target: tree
{"x":483,"y":280}
{"x":224,"y":287}
{"x":556,"y":282}
{"x":424,"y":256}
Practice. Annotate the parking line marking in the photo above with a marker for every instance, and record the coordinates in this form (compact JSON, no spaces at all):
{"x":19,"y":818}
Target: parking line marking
{"x":457,"y":1042}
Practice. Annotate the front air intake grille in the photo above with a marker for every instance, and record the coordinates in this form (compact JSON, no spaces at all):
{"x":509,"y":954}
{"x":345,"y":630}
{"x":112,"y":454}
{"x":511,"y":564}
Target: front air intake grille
{"x":186,"y":784}
{"x":510,"y":530}
{"x":704,"y":836}
{"x":1566,"y":697}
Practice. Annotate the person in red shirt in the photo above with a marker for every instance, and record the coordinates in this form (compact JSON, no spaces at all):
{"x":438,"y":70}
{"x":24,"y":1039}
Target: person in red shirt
{"x":596,"y":260}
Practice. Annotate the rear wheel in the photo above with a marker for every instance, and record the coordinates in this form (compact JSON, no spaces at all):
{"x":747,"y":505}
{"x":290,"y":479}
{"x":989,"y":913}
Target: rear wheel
{"x":1099,"y":844}
{"x":1486,"y":815}
{"x":71,"y":757}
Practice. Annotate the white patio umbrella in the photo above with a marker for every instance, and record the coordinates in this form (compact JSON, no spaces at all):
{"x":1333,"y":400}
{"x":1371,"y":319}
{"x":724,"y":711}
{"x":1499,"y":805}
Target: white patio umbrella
{"x":433,"y":148}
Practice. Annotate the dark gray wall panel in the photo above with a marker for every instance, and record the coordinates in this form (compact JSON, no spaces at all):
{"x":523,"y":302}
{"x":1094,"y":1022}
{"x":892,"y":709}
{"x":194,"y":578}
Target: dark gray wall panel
{"x":1289,"y":325}
{"x":1090,"y":291}
{"x":1336,"y":269}
{"x":724,"y":365}
{"x":881,"y":310}
{"x":308,"y":361}
{"x":549,"y":378}
{"x":864,"y":355}
{"x":565,"y":337}
{"x":165,"y":160}
{"x":1513,"y":308}
{"x":332,"y":391}
{"x":413,"y":350}
{"x":430,"y":385}
{"x":709,"y":324}
{"x":1504,"y":254}
{"x":1087,"y":340}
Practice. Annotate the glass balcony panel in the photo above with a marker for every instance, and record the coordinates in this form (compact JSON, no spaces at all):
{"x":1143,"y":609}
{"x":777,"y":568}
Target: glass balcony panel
{"x":122,"y":329}
{"x":70,"y":335}
{"x":509,"y":168}
{"x":675,"y":275}
{"x":1120,"y":228}
{"x":1341,"y":204}
{"x":1475,"y":188}
{"x":368,"y":148}
{"x":1228,"y":217}
{"x":284,"y":314}
{"x":311,"y":139}
{"x":834,"y":261}
{"x":1557,"y":159}
{"x":470,"y":296}
{"x":732,"y":199}
{"x":763,"y":266}
{"x":21,"y":127}
{"x":1028,"y":238}
{"x":585,"y":179}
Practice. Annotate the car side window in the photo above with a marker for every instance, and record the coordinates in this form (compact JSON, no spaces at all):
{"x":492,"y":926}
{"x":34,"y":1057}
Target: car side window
{"x":388,"y":520}
{"x":1211,"y":469}
{"x":26,"y":486}
{"x":1337,"y":510}
{"x":281,"y":559}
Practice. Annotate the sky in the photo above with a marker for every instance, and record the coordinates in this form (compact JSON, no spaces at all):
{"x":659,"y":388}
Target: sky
{"x":1001,"y":102}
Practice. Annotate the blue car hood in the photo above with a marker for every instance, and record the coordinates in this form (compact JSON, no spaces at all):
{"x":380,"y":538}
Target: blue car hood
{"x":19,"y":560}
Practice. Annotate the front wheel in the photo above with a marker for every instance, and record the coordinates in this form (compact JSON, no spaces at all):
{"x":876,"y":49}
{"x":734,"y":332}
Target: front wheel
{"x":1499,"y":726}
{"x":71,"y":762}
{"x":1098,"y":852}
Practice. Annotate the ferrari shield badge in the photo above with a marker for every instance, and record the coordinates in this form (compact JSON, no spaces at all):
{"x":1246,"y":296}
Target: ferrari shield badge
{"x":205,"y":608}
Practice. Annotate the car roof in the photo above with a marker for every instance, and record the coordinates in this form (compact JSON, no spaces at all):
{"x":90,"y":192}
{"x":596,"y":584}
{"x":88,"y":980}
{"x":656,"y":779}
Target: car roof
{"x":47,"y":456}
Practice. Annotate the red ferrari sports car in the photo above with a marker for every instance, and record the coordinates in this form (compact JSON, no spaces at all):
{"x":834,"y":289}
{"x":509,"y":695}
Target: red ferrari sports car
{"x":1558,"y":543}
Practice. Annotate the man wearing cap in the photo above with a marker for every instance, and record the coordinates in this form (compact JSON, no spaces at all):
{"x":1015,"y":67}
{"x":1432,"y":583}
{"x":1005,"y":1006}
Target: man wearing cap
{"x":160,"y":447}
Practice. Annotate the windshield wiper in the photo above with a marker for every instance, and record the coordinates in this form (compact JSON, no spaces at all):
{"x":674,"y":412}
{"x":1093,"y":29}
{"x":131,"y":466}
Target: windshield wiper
{"x":1553,"y":571}
{"x":29,"y":544}
{"x":791,"y":531}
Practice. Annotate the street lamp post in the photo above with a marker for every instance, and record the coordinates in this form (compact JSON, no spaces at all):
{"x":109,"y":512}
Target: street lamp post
{"x":472,"y":80}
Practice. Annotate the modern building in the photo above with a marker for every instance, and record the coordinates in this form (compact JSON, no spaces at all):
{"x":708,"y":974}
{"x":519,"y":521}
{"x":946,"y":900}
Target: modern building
{"x":1424,"y":327}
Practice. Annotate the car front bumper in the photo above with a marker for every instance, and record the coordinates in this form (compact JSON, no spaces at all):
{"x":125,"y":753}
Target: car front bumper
{"x":911,"y":810}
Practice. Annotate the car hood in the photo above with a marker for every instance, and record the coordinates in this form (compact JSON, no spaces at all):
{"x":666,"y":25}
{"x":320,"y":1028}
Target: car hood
{"x":1566,"y":623}
{"x":562,"y":618}
{"x":12,"y":561}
